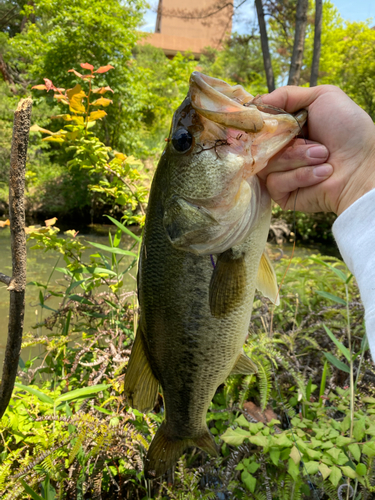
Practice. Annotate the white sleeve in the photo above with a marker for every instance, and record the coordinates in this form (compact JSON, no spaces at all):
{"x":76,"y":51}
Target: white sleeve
{"x":354,"y":231}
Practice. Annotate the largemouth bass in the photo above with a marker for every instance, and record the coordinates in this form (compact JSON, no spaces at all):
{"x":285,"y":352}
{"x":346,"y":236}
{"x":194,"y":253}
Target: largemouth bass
{"x":202,"y":257}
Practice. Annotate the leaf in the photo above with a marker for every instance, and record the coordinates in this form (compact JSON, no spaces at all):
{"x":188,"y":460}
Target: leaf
{"x":369,"y":449}
{"x":102,"y":90}
{"x":343,"y":441}
{"x":87,"y":66}
{"x":43,"y":397}
{"x":75,"y":72}
{"x":295,"y":455}
{"x":50,"y":222}
{"x":344,"y":350}
{"x":355,"y":451}
{"x":335,"y":475}
{"x":359,"y":429}
{"x":124,"y":229}
{"x":102,"y":270}
{"x":39,"y":87}
{"x":241,"y":420}
{"x":336,"y":362}
{"x":118,"y":251}
{"x":311,"y":467}
{"x":259,"y":440}
{"x":349,"y":472}
{"x":330,"y":296}
{"x":282,"y":440}
{"x":96,"y":115}
{"x":79,"y":393}
{"x":102,"y":101}
{"x":30,"y":491}
{"x":324,"y":470}
{"x":104,"y":69}
{"x":293,"y":469}
{"x":49,"y":84}
{"x":252,"y":467}
{"x":334,"y":452}
{"x":361,"y":469}
{"x":343,"y":277}
{"x":36,"y":128}
{"x":248,"y":480}
{"x":75,"y":95}
{"x":275,"y":455}
{"x":235,"y":437}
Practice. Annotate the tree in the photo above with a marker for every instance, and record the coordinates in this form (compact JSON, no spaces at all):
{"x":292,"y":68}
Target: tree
{"x":317,"y":43}
{"x":265,"y":46}
{"x":299,"y":42}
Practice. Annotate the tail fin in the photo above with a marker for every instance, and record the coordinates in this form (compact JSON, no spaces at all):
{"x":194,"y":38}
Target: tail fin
{"x":165,"y":451}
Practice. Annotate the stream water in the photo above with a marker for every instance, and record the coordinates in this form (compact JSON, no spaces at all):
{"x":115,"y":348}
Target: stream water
{"x":40,"y":268}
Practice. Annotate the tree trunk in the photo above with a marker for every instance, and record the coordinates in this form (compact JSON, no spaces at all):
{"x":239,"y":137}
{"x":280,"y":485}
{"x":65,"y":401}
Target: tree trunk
{"x":299,"y":42}
{"x":265,"y":48}
{"x":317,"y":43}
{"x":17,"y":283}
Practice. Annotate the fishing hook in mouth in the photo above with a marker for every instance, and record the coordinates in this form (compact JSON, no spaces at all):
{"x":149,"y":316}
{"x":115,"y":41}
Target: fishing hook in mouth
{"x":218,"y":143}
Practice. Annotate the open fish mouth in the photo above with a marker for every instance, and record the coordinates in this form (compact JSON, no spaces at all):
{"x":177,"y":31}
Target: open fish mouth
{"x":232,"y":108}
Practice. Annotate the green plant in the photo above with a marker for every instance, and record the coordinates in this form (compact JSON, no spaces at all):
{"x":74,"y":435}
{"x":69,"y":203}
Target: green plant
{"x":114,"y":174}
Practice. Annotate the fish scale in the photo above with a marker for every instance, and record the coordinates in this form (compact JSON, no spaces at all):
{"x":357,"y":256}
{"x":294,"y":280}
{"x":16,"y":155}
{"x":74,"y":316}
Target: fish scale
{"x":195,"y":316}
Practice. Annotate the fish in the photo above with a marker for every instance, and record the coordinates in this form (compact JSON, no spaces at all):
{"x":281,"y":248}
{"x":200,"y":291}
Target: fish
{"x":202,"y":258}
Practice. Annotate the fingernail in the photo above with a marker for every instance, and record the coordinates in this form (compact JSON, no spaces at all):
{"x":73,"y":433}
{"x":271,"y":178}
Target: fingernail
{"x":317,"y":152}
{"x":323,"y":171}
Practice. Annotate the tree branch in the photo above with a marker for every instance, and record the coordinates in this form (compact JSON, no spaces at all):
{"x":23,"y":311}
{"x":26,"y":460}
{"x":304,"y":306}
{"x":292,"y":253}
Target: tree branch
{"x":17,"y":283}
{"x":5,"y":279}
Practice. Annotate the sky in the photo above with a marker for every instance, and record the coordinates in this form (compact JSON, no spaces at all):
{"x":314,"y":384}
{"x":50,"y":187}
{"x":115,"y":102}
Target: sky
{"x":358,"y":10}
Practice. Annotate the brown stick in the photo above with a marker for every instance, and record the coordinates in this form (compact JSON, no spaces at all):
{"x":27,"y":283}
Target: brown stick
{"x":17,"y":283}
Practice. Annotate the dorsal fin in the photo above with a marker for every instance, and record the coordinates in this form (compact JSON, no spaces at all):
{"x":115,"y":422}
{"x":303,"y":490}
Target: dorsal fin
{"x":266,"y":279}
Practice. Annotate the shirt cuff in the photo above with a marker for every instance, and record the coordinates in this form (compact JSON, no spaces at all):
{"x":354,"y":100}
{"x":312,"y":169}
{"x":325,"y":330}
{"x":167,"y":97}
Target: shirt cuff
{"x":354,"y":231}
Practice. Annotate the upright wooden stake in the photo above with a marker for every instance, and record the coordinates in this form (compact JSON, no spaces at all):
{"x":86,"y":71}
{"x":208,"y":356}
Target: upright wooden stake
{"x":16,"y":283}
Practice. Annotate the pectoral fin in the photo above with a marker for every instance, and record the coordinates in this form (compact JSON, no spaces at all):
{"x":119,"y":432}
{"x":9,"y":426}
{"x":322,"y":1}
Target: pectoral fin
{"x":141,"y":385}
{"x":266,"y":280}
{"x":244,"y":366}
{"x":228,"y":284}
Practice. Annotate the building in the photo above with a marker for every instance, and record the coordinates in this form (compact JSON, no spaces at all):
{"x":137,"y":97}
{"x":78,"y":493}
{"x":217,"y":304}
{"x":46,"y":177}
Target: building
{"x":180,"y":28}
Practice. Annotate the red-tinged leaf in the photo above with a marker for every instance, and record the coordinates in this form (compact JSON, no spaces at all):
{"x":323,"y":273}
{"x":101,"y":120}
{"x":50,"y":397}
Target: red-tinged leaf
{"x":104,"y":69}
{"x":75,"y":95}
{"x":96,"y":115}
{"x":102,"y":101}
{"x":87,"y":77}
{"x":102,"y":90}
{"x":49,"y":84}
{"x":40,"y":87}
{"x":75,"y":72}
{"x":87,"y":66}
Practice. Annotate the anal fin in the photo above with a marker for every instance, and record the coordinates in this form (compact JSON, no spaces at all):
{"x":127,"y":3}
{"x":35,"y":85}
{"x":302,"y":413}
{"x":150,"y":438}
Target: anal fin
{"x":266,"y":281}
{"x":228,"y":284}
{"x":165,"y":450}
{"x":141,"y":385}
{"x":244,"y":366}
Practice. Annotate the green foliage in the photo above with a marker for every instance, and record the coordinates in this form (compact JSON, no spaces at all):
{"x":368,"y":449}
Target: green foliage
{"x":114,"y":174}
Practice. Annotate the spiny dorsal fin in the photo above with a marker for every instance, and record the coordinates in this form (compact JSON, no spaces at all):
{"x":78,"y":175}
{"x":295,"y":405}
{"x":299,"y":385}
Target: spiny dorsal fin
{"x":266,"y":279}
{"x":165,"y":450}
{"x":228,"y":284}
{"x":141,"y":385}
{"x":244,"y":366}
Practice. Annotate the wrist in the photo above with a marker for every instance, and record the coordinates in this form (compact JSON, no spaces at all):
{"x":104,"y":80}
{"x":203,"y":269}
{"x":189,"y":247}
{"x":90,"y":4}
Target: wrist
{"x":362,"y":181}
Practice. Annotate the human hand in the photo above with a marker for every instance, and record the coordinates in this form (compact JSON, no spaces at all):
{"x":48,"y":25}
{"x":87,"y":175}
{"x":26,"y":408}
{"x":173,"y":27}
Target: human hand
{"x":348,"y":133}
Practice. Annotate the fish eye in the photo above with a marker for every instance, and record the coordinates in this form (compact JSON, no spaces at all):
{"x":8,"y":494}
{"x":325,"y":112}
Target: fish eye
{"x":182,"y":140}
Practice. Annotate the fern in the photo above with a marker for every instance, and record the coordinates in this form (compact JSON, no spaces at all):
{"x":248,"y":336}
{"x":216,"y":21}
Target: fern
{"x":265,"y":381}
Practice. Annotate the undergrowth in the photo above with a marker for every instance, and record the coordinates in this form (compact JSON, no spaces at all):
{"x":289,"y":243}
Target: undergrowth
{"x":303,"y":427}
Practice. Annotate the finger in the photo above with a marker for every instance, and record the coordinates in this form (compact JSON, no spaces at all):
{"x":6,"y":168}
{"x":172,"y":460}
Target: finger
{"x":297,"y":154}
{"x":293,"y":98}
{"x":281,"y":184}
